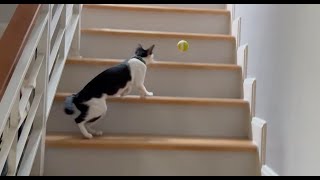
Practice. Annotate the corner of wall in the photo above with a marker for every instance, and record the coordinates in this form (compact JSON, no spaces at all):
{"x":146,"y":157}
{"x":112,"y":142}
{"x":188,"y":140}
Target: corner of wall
{"x":258,"y":126}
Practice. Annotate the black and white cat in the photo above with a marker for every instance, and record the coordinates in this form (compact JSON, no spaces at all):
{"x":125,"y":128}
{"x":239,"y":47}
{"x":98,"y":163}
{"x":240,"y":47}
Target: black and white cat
{"x":114,"y":81}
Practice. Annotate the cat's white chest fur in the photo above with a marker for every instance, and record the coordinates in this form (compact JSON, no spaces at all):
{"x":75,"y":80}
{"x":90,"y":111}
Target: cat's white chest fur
{"x":138,"y":71}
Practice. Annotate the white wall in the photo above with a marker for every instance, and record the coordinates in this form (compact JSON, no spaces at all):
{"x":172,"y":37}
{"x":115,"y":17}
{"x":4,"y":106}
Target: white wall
{"x":284,"y":56}
{"x":6,"y":12}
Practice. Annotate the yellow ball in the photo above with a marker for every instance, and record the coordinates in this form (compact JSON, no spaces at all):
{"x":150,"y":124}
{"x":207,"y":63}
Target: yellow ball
{"x":183,"y":45}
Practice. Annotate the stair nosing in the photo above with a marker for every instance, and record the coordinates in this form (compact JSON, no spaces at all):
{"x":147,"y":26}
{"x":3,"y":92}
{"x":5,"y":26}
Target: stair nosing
{"x":60,"y":96}
{"x":64,"y":140}
{"x":156,"y":64}
{"x":127,"y":32}
{"x":158,"y":9}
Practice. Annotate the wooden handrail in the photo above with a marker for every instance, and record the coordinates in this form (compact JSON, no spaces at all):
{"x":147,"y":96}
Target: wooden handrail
{"x":14,"y":40}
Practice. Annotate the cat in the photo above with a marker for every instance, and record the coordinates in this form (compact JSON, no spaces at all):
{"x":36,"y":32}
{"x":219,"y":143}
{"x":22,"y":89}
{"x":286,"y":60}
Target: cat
{"x":118,"y":81}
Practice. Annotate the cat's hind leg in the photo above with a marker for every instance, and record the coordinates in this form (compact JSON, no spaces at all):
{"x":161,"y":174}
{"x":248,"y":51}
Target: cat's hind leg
{"x":84,"y":130}
{"x":143,"y":91}
{"x":89,"y":125}
{"x":97,"y":109}
{"x":81,"y":120}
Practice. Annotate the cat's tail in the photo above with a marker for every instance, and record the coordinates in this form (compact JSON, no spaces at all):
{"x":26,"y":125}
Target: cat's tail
{"x":68,"y":105}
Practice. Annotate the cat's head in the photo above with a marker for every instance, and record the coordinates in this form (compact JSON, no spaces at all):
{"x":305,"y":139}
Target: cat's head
{"x":146,"y":54}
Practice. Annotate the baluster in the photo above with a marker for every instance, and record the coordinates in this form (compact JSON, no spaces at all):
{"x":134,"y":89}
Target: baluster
{"x":41,"y":88}
{"x":5,"y":136}
{"x":75,"y":46}
{"x":13,"y":126}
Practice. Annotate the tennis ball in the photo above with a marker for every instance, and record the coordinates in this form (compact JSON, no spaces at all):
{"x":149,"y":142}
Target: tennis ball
{"x":183,"y":45}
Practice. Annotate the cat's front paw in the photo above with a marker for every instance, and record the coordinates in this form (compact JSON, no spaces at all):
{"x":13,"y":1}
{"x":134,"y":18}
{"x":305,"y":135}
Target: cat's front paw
{"x":149,"y":94}
{"x":88,"y":136}
{"x":146,"y":94}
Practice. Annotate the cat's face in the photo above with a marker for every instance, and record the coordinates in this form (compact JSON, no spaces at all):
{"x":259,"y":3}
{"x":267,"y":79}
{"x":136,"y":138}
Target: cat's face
{"x":146,"y":54}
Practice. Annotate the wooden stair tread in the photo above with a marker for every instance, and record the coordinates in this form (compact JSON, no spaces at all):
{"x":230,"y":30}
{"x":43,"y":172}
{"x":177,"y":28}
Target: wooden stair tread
{"x":159,"y":34}
{"x":60,"y":96}
{"x":156,"y":64}
{"x":157,"y":9}
{"x":150,"y":142}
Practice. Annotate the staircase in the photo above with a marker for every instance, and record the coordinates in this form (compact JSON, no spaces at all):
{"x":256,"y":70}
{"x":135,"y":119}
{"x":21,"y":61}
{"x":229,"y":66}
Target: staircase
{"x":198,"y":122}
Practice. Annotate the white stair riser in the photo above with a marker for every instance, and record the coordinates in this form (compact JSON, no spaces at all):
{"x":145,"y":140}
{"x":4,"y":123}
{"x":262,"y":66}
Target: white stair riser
{"x":123,"y":46}
{"x":201,"y":6}
{"x":162,"y":119}
{"x":86,"y":162}
{"x":156,"y":21}
{"x":164,"y":81}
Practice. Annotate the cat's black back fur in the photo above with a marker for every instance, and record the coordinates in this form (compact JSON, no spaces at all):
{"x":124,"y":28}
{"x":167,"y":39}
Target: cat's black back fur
{"x":108,"y":82}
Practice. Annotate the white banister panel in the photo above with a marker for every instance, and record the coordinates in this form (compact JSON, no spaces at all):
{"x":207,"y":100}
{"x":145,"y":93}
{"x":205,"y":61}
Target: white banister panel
{"x":28,"y":126}
{"x":18,"y":77}
{"x":19,"y":73}
{"x":34,"y":109}
{"x":27,"y":100}
{"x":14,"y":123}
{"x":53,"y":8}
{"x":55,"y":49}
{"x":70,"y":31}
{"x":30,"y":151}
{"x":69,"y":13}
{"x":21,"y":93}
{"x":29,"y":87}
{"x":55,"y":19}
{"x":75,"y":45}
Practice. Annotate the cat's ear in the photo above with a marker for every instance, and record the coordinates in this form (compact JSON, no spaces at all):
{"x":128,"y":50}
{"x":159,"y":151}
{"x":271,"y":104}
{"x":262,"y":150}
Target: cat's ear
{"x":150,"y":50}
{"x":140,"y":46}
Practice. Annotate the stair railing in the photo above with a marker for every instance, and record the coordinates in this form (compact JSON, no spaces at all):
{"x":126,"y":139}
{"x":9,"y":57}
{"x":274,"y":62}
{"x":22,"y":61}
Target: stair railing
{"x":33,"y":52}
